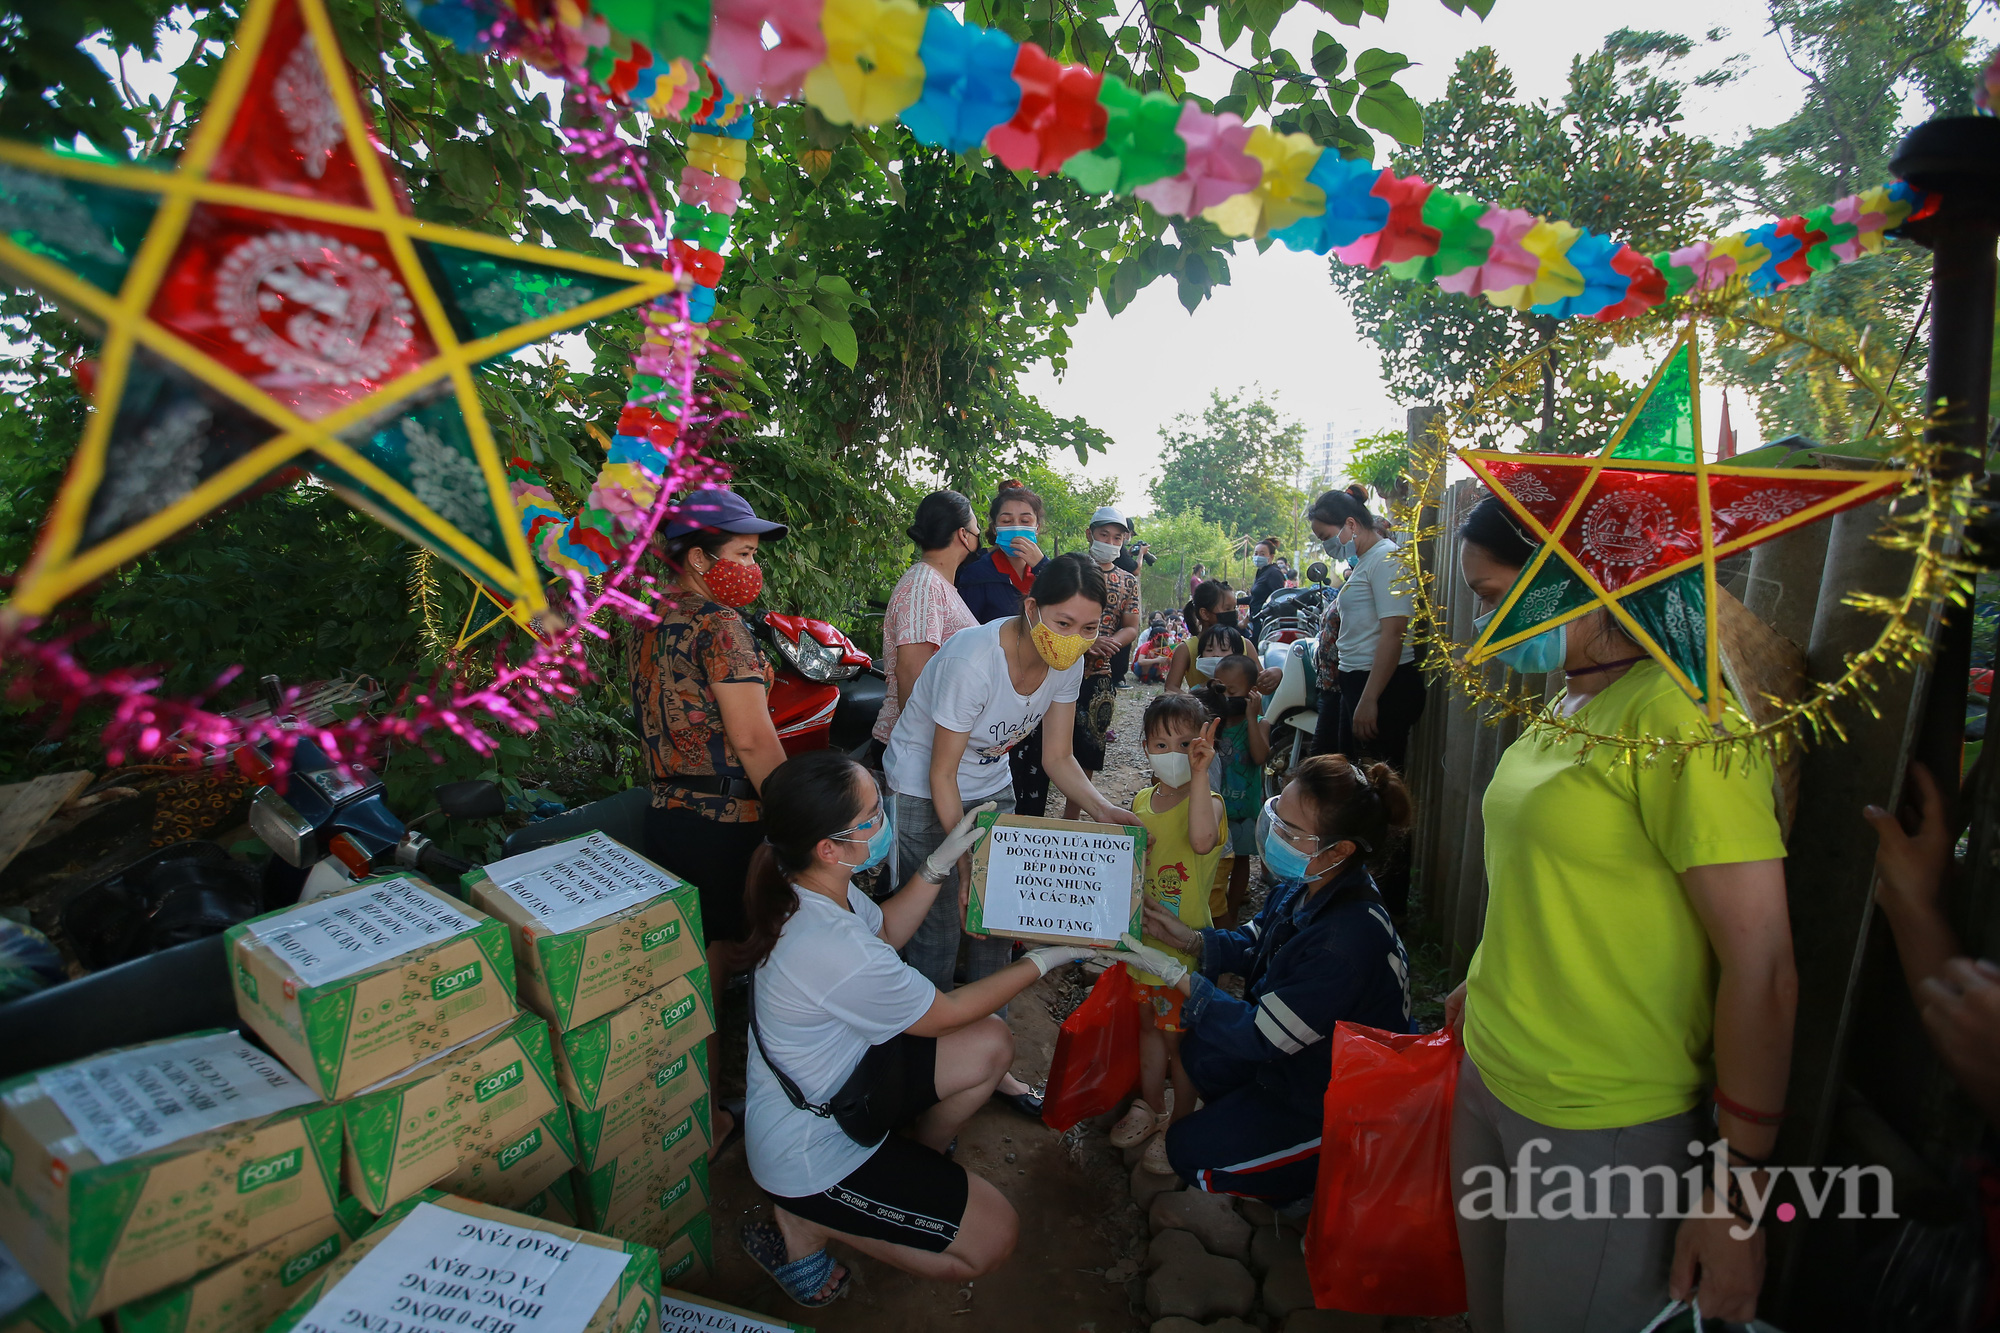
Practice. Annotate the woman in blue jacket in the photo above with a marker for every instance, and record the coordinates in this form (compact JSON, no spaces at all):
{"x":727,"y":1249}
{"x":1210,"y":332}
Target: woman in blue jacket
{"x":1321,"y":951}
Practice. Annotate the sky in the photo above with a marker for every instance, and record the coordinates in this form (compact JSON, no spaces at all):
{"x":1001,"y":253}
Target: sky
{"x":1281,"y":324}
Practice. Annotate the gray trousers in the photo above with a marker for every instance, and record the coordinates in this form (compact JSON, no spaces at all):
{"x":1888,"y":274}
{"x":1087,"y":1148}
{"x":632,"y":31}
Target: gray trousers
{"x":1544,"y":1274}
{"x":933,"y":950}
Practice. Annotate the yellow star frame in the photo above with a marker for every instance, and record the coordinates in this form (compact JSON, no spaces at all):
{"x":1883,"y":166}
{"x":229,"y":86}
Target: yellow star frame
{"x":1861,"y":488}
{"x":56,"y":569}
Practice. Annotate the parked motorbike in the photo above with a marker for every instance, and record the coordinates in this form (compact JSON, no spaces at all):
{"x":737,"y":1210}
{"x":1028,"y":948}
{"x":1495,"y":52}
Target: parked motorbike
{"x":1293,"y":712}
{"x":1292,"y":614}
{"x":826,"y":692}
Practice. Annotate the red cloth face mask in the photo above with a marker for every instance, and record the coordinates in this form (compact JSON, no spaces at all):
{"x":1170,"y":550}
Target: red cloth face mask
{"x":733,"y":583}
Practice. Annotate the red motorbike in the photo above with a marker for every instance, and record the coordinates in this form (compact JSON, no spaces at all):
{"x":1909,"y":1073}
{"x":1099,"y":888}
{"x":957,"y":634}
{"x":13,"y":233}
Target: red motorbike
{"x":827,"y":691}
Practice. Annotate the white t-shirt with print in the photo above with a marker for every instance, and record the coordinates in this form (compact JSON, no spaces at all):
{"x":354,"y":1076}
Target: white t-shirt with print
{"x":1377,"y":587}
{"x":831,"y":988}
{"x":967,"y":688}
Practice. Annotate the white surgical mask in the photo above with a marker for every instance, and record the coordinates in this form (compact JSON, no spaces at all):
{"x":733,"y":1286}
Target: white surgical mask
{"x":1173,"y":768}
{"x":1207,"y":665}
{"x":1104,"y":552}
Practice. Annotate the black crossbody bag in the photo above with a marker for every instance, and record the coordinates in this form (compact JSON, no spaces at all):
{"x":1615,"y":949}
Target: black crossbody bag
{"x":867,"y":1105}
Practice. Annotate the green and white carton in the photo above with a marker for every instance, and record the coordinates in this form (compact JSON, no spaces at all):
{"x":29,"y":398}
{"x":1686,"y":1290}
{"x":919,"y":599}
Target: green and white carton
{"x":627,"y":1180}
{"x":594,"y":925}
{"x":557,"y":1203}
{"x":658,"y":1213}
{"x":628,"y":1046}
{"x":688,"y":1260}
{"x":248,"y":1292}
{"x":647,"y":1107}
{"x":514,"y":1174}
{"x":436,"y":1262}
{"x":450,"y":1111}
{"x":681,"y":1312}
{"x":137,"y":1169}
{"x":355,"y":988}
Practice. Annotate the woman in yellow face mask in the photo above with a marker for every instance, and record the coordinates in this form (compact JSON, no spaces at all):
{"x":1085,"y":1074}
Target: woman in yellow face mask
{"x":984,"y":692}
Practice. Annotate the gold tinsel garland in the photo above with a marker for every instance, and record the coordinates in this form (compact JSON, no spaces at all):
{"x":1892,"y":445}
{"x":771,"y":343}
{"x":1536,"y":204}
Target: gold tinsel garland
{"x":1928,"y":520}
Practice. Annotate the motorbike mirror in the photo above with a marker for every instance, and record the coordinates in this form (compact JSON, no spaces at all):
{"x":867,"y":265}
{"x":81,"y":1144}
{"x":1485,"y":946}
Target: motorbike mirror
{"x":477,"y":799}
{"x":1316,"y":572}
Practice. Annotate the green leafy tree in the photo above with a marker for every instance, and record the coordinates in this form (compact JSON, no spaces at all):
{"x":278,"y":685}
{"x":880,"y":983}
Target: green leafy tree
{"x":1868,"y":66}
{"x":1233,"y":465}
{"x":1179,"y":542}
{"x":1609,"y":157}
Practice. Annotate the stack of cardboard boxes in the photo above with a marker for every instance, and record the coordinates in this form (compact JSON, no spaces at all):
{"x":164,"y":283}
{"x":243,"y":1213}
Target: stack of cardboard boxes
{"x":187,"y":1184}
{"x":196,"y":1185}
{"x":609,"y":950}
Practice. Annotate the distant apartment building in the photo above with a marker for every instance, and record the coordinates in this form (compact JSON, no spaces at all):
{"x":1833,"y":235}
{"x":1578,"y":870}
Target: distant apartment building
{"x":1327,"y":449}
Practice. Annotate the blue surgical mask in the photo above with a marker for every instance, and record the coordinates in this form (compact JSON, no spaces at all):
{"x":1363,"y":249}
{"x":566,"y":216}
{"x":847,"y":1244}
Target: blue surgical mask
{"x":1260,"y":560}
{"x":1547,"y":651}
{"x":879,"y":843}
{"x":1004,"y":537}
{"x":1283,"y":860}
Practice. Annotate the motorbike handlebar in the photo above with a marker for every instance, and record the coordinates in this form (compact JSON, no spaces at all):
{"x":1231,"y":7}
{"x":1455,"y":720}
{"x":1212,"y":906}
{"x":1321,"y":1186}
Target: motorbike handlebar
{"x":441,"y":865}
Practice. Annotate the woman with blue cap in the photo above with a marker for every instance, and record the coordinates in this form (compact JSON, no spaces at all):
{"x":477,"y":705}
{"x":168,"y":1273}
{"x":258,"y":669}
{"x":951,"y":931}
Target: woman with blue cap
{"x":701,"y":688}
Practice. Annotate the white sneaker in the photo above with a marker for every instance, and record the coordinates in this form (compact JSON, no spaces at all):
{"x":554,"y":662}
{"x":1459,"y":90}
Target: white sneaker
{"x":1136,"y":1126}
{"x":1155,"y":1157}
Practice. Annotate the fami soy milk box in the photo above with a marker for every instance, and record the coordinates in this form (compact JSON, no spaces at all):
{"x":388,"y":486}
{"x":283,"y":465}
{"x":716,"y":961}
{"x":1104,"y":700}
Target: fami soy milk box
{"x":629,"y":1046}
{"x":355,"y":988}
{"x":650,"y":1106}
{"x":126,"y":1173}
{"x":251,"y":1290}
{"x":435,"y":1262}
{"x":514,"y":1174}
{"x":594,"y":925}
{"x":449,"y":1111}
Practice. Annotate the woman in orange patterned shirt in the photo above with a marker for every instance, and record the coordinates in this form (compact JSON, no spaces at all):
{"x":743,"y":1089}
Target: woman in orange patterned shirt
{"x":701,"y":688}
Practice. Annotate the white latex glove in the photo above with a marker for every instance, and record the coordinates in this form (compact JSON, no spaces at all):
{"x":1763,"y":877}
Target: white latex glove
{"x":1053,"y":956}
{"x":964,"y":836}
{"x":1160,"y":963}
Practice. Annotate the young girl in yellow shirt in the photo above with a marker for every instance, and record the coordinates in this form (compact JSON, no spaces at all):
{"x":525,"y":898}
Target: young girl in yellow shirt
{"x":1184,"y":824}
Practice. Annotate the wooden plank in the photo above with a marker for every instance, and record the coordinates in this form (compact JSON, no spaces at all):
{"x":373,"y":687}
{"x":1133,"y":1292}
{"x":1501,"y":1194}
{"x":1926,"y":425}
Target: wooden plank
{"x":31,"y":809}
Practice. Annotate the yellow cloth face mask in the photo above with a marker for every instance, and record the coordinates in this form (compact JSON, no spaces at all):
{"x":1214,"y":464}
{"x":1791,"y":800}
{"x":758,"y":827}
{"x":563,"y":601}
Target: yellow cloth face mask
{"x":1058,"y":650}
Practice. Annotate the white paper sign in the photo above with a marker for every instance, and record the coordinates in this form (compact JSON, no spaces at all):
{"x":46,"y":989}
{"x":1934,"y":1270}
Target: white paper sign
{"x":132,"y":1102}
{"x":331,"y":938}
{"x":680,"y":1315}
{"x":1043,"y":881}
{"x":448,"y":1272}
{"x":572,"y":884}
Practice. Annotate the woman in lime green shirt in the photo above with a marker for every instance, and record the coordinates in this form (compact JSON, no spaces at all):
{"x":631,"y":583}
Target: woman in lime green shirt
{"x":1633,"y":991}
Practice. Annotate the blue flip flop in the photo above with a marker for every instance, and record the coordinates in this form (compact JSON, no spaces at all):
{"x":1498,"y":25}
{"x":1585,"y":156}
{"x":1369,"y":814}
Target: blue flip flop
{"x":800,"y":1279}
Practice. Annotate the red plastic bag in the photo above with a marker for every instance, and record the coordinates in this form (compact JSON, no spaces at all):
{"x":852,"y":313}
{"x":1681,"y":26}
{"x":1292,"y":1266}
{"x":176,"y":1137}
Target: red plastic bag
{"x":1383,"y":1237}
{"x":1097,"y":1054}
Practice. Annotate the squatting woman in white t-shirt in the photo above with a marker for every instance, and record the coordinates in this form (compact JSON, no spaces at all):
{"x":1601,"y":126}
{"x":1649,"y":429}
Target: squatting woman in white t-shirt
{"x":827,"y":987}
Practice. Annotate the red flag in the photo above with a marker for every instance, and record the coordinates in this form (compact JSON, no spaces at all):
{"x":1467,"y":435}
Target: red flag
{"x":1725,"y":438}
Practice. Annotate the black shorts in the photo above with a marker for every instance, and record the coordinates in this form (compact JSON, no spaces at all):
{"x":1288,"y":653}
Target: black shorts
{"x":904,"y":1193}
{"x":1096,"y":697}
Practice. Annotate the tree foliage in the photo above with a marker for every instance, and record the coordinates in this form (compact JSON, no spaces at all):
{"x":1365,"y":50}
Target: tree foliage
{"x":1179,"y":542}
{"x":1233,"y":466}
{"x":1608,"y":156}
{"x":1867,"y":65}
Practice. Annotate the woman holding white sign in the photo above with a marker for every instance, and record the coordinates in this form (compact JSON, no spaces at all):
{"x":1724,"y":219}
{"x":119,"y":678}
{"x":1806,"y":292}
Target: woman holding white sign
{"x":983,"y":694}
{"x":853,"y":1043}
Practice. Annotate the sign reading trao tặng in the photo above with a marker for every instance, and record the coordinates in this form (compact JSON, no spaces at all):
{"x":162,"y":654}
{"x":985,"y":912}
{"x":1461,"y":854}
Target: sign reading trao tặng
{"x":1056,"y":881}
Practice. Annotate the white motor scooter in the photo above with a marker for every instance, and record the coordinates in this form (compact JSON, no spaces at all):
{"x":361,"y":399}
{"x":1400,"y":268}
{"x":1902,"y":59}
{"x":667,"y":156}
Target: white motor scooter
{"x":1293,"y":712}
